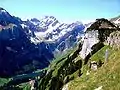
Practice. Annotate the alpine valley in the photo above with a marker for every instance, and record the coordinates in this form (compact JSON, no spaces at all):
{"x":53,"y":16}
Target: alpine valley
{"x":32,"y":44}
{"x":46,"y":54}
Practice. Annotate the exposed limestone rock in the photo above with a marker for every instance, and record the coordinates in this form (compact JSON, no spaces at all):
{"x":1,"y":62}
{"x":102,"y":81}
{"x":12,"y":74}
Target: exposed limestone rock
{"x":99,"y":88}
{"x":114,"y":40}
{"x":90,"y":39}
{"x":99,"y":31}
{"x":65,"y":87}
{"x":87,"y":73}
{"x":93,"y":65}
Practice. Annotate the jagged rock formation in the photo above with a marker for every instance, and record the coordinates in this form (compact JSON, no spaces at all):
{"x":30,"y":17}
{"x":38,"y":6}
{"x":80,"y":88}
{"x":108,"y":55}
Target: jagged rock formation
{"x":104,"y":28}
{"x":114,"y":40}
{"x":60,"y":36}
{"x":99,"y":31}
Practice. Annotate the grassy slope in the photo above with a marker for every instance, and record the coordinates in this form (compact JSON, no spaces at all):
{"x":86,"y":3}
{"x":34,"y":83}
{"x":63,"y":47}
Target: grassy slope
{"x":57,"y":62}
{"x":107,"y":76}
{"x":3,"y":81}
{"x":57,"y":70}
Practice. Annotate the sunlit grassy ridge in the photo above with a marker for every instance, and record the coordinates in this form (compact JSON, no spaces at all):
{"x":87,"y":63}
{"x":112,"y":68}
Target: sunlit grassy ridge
{"x":107,"y":76}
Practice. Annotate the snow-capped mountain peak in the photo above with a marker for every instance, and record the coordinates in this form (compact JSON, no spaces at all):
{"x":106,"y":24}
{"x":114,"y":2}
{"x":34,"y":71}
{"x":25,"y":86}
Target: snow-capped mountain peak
{"x":6,"y":18}
{"x":49,"y":17}
{"x":48,"y":21}
{"x":51,"y":29}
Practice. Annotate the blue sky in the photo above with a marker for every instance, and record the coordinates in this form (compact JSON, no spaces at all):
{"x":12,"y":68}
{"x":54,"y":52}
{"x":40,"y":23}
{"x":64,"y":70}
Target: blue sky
{"x":63,"y":10}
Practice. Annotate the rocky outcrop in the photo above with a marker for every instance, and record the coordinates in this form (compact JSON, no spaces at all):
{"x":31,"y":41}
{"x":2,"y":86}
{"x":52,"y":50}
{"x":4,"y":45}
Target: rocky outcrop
{"x":90,"y":39}
{"x":65,"y":87}
{"x":99,"y":31}
{"x":114,"y":40}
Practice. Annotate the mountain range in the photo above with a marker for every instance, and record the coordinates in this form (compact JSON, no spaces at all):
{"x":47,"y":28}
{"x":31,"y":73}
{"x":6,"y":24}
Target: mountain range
{"x":58,"y":56}
{"x":32,"y":44}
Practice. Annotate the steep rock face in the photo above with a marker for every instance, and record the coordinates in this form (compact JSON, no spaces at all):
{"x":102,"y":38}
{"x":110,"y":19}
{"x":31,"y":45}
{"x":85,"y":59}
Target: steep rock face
{"x":90,"y":39}
{"x":99,"y":31}
{"x":114,"y":40}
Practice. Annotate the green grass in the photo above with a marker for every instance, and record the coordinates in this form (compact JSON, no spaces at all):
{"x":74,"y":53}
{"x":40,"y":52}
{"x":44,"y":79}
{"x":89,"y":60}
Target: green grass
{"x":55,"y":64}
{"x":60,"y":58}
{"x":4,"y":81}
{"x":100,"y":55}
{"x":57,"y":68}
{"x":25,"y":86}
{"x":107,"y":76}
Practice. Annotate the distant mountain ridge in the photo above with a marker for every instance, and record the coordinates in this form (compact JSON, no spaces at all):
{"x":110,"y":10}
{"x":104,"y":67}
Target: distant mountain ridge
{"x":49,"y":29}
{"x":23,"y":48}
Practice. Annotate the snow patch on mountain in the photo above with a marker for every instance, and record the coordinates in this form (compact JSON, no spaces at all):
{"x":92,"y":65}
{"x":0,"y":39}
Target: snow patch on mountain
{"x":50,"y":29}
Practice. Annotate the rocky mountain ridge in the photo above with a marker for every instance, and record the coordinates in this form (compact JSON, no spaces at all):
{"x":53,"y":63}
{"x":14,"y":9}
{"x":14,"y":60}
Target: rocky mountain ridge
{"x":26,"y":49}
{"x":48,"y":29}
